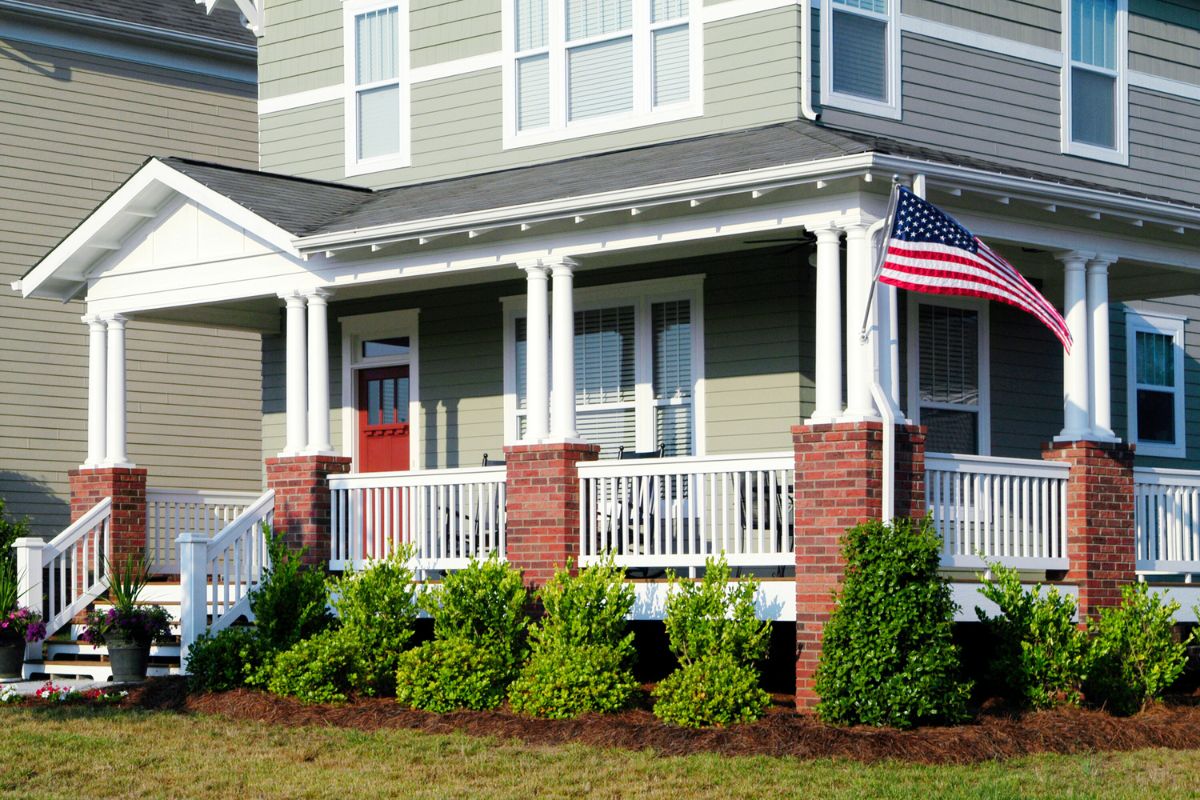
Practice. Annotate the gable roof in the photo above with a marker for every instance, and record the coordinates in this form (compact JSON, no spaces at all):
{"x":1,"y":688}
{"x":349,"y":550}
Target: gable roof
{"x":177,"y":16}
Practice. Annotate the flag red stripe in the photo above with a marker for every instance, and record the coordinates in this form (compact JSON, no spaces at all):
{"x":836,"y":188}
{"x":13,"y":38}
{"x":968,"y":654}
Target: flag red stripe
{"x":1023,"y":286}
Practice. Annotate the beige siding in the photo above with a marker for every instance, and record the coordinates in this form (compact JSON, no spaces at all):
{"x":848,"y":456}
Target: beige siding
{"x":751,"y":71}
{"x":301,"y":48}
{"x":74,"y":127}
{"x":445,"y":30}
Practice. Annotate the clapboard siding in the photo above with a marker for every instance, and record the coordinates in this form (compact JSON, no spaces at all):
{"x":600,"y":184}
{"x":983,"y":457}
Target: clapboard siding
{"x":301,"y":48}
{"x":1164,"y":39}
{"x":751,"y":74}
{"x":445,"y":30}
{"x":75,"y":125}
{"x":1026,"y":383}
{"x":1036,"y":22}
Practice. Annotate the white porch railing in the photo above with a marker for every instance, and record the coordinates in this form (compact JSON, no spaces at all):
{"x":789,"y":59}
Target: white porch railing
{"x":218,"y":574}
{"x":449,"y":516}
{"x":675,"y":512}
{"x":1000,"y":509}
{"x":72,"y":565}
{"x":1167,"y":514}
{"x":170,"y":512}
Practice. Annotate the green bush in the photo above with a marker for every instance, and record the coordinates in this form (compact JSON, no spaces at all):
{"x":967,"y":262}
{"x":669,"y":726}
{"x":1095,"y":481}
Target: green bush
{"x":580,"y":648}
{"x":10,"y":530}
{"x":225,"y":661}
{"x":1041,"y":656}
{"x":450,"y":674}
{"x":716,"y":637}
{"x":887,"y":654}
{"x":1133,"y":656}
{"x":290,"y":603}
{"x":716,"y":690}
{"x":378,"y":611}
{"x":479,"y":622}
{"x":320,"y":669}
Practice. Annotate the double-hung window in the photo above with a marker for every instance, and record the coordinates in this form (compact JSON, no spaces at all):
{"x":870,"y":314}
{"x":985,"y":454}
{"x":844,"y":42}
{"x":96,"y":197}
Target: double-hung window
{"x":860,"y":56}
{"x":1094,"y":92}
{"x":376,"y":53}
{"x":1154,"y":353}
{"x":637,"y":368}
{"x":948,"y":374}
{"x":579,"y":67}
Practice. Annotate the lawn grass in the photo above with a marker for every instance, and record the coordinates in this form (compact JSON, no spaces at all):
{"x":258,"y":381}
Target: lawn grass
{"x":74,"y":752}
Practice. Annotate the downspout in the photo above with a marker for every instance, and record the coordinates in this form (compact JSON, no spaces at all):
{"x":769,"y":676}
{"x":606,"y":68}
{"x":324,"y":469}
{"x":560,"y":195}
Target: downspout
{"x":806,"y":49}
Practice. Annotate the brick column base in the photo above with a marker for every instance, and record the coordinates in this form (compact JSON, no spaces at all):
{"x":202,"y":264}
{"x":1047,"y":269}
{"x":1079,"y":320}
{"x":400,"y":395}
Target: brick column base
{"x":543,"y":505}
{"x":302,"y":501}
{"x":839,"y":483}
{"x":127,"y":488}
{"x":1101,"y":547}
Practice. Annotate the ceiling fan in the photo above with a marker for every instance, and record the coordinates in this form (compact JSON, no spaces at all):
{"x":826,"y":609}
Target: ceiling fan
{"x":803,"y":240}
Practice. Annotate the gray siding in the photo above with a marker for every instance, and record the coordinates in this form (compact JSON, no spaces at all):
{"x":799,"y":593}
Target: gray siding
{"x":1026,"y":376}
{"x":74,"y":127}
{"x":1164,"y":39}
{"x":1036,"y":22}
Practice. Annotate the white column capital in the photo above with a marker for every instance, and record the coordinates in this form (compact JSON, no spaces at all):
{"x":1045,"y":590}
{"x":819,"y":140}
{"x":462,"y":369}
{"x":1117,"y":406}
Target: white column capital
{"x":317,"y":296}
{"x":827,"y":232}
{"x":115,"y":321}
{"x":1100,"y":263}
{"x":856,"y":230}
{"x":1074,"y":259}
{"x":548,"y":264}
{"x":292,"y":298}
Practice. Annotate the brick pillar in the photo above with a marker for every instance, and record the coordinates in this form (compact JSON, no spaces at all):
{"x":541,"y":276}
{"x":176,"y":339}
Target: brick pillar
{"x":1101,"y":547}
{"x":127,"y":488}
{"x":543,"y":505}
{"x":839,"y":483}
{"x":302,"y":501}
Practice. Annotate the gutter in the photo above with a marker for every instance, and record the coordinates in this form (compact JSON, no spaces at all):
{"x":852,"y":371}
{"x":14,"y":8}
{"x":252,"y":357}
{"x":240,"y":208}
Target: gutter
{"x":806,"y":49}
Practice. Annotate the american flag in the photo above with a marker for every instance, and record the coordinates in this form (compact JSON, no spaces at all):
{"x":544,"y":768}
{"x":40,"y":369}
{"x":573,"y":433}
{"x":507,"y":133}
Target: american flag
{"x":929,"y":251}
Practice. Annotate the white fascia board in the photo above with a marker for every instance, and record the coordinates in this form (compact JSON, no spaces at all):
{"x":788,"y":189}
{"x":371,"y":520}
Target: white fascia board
{"x":596,"y":203}
{"x":152,"y":172}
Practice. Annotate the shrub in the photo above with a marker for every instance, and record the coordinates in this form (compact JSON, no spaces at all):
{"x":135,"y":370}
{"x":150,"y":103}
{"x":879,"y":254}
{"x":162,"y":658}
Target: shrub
{"x":1134,"y":656}
{"x":378,"y":611}
{"x":716,"y":637}
{"x":449,"y":674}
{"x":479,"y":622}
{"x":581,"y":647}
{"x":10,"y":530}
{"x":887,"y":655}
{"x":1040,"y":654}
{"x":289,"y":604}
{"x":224,"y":661}
{"x":320,"y":669}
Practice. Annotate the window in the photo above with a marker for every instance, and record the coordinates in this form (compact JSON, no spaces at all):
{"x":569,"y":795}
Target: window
{"x":1154,"y":352}
{"x":860,"y":56}
{"x":376,"y":47}
{"x":1094,"y":101}
{"x":948,"y":374}
{"x":579,"y":67}
{"x":637,"y":367}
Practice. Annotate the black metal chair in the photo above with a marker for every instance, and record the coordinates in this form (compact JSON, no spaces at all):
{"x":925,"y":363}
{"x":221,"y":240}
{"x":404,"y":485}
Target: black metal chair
{"x":491,"y":462}
{"x":624,"y":455}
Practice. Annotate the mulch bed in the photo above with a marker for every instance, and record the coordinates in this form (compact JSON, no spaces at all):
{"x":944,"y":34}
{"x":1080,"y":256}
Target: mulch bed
{"x":996,"y":734}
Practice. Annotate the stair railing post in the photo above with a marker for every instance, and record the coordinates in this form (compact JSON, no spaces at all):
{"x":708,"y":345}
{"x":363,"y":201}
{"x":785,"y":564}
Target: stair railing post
{"x":193,"y":585}
{"x":29,"y":584}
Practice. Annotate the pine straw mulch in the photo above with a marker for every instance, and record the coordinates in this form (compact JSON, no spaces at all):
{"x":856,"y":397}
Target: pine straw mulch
{"x":995,"y":734}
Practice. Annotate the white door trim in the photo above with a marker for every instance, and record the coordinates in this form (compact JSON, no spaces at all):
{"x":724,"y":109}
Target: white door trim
{"x":366,"y":326}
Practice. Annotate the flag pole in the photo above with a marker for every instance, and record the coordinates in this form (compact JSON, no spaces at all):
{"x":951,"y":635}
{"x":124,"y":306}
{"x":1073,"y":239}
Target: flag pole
{"x":889,"y":218}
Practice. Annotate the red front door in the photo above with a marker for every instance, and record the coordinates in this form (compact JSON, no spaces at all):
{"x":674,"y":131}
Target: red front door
{"x":383,"y":419}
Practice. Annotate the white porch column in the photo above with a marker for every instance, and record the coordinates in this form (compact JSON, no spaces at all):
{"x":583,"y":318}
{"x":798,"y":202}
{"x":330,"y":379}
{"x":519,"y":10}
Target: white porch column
{"x":828,"y":361}
{"x":537,"y":356}
{"x":318,"y":372}
{"x":562,"y":343}
{"x":297,"y":383}
{"x":860,"y":355}
{"x":1097,"y":311}
{"x":97,"y":391}
{"x":1076,"y":394}
{"x":115,"y":394}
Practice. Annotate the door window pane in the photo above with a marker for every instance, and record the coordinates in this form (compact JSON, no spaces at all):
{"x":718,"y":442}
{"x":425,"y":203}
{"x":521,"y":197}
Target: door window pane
{"x":380,"y":348}
{"x":604,"y":355}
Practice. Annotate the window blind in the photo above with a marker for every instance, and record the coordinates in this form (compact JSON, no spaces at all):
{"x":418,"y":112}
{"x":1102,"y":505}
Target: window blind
{"x":671,"y":323}
{"x":600,"y":79}
{"x":604,"y":355}
{"x":876,"y":6}
{"x":532,"y":24}
{"x":663,"y":10}
{"x":609,"y":428}
{"x":671,"y":78}
{"x":949,"y":355}
{"x":533,"y":92}
{"x":376,"y":37}
{"x":1155,"y":359}
{"x":1094,"y":33}
{"x":588,"y":18}
{"x":378,"y":121}
{"x":859,"y":58}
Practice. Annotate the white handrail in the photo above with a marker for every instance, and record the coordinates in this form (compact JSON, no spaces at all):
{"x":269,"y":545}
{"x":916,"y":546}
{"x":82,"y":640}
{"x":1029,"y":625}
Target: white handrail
{"x":1167,"y":520}
{"x":170,"y":512}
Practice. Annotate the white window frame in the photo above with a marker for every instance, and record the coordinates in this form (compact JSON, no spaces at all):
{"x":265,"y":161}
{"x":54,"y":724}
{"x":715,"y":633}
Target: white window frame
{"x":643,"y":112}
{"x":1119,"y":154}
{"x":642,"y":295}
{"x":1166,"y":325}
{"x":403,"y":156}
{"x":913,"y":347}
{"x":356,"y":330}
{"x":891,"y":108}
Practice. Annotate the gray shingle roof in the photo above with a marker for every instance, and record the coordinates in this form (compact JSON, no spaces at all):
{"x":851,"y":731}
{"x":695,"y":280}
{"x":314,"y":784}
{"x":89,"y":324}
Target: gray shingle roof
{"x":306,"y":208}
{"x":180,"y":16}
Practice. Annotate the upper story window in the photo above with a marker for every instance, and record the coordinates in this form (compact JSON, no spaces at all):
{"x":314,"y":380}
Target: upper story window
{"x":860,"y":56}
{"x":1154,"y":360}
{"x":376,"y":56}
{"x":578,"y":67}
{"x":1095,"y":102}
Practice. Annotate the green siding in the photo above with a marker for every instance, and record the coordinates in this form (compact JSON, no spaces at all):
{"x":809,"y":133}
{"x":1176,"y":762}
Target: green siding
{"x":301,"y":48}
{"x":445,"y":30}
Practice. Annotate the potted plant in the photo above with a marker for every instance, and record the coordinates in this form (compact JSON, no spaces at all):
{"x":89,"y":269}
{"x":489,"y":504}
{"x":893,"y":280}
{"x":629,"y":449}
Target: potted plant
{"x":18,"y":625}
{"x":127,"y":628}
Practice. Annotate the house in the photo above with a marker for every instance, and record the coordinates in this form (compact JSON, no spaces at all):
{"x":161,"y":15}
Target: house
{"x":571,"y":230}
{"x":89,"y":91}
